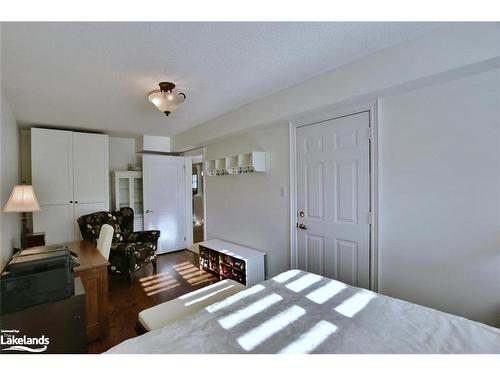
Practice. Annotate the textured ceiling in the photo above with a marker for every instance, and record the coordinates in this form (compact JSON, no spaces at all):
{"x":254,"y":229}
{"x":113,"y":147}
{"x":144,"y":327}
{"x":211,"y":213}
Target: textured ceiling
{"x":96,"y":76}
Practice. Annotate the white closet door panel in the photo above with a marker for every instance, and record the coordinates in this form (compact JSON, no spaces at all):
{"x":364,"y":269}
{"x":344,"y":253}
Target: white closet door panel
{"x":57,"y":221}
{"x":333,"y":199}
{"x":90,"y":167}
{"x":51,"y":166}
{"x":84,"y":209}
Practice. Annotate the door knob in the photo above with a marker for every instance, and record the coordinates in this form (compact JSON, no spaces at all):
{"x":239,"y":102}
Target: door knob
{"x":301,"y":226}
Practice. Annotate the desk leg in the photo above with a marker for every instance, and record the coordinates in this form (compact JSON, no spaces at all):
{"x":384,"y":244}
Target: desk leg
{"x":95,"y":282}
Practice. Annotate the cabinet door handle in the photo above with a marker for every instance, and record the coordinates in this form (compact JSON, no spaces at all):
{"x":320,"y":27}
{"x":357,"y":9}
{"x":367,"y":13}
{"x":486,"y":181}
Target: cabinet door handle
{"x":70,"y":201}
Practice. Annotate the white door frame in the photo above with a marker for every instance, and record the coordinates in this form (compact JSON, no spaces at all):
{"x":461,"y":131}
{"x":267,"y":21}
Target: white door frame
{"x":188,"y":171}
{"x":323,"y":115}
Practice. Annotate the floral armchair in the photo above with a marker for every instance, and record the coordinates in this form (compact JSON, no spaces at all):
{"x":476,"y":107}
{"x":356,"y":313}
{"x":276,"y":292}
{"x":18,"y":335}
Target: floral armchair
{"x":130,"y":250}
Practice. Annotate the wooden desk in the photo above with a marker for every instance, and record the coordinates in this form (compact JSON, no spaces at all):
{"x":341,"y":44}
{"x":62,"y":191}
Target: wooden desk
{"x":93,"y":270}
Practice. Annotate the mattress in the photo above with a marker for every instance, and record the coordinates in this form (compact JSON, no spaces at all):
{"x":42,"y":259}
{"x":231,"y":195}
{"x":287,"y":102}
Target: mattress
{"x":301,"y":312}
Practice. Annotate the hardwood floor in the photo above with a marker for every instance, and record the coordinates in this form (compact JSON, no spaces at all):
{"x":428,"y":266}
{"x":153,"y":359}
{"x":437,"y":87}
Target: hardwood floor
{"x":175,"y":276}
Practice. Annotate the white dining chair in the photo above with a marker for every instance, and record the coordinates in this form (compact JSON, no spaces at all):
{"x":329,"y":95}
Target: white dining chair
{"x":104,"y":240}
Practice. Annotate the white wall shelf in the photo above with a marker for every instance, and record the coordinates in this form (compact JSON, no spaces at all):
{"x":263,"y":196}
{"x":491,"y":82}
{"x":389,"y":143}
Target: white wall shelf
{"x":254,"y":161}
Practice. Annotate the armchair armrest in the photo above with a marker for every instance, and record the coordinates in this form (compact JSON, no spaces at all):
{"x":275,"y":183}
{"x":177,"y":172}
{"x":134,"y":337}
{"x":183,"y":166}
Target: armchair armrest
{"x":144,"y":236}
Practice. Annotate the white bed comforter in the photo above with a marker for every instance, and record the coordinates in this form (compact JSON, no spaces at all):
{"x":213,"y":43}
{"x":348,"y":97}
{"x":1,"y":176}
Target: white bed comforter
{"x":306,"y":313}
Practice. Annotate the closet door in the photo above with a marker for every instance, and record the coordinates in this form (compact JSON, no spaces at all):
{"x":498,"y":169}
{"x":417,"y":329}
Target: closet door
{"x":57,"y":221}
{"x":90,"y":169}
{"x":52,"y":179}
{"x":51,"y":166}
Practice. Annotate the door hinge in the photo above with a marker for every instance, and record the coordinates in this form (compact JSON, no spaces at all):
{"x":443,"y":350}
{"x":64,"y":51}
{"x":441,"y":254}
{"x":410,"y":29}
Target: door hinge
{"x":184,"y":238}
{"x":370,"y":133}
{"x":370,"y":218}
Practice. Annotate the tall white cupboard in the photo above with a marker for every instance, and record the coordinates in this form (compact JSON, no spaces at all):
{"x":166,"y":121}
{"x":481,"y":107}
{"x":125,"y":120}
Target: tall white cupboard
{"x":69,"y":173}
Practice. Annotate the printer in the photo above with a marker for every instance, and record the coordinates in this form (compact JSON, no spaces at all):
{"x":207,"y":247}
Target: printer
{"x":37,"y":275}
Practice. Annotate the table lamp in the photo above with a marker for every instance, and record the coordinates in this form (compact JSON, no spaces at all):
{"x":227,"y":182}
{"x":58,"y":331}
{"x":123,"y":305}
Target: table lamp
{"x":22,"y":199}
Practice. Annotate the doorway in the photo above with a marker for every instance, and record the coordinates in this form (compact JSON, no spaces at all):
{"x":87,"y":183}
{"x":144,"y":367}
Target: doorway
{"x":332,"y":204}
{"x":197,"y":185}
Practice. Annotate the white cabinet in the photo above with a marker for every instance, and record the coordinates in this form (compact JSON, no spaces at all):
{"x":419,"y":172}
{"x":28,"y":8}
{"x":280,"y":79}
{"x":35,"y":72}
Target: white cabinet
{"x":70,"y":178}
{"x":227,"y":260}
{"x":127,"y":192}
{"x":51,"y":166}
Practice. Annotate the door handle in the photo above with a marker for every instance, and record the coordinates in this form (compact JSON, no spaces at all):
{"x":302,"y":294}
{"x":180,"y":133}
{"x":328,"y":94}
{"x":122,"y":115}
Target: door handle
{"x":301,"y":226}
{"x":148,"y":212}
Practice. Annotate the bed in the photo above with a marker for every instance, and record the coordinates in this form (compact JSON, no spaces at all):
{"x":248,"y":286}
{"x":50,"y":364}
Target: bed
{"x":301,"y":312}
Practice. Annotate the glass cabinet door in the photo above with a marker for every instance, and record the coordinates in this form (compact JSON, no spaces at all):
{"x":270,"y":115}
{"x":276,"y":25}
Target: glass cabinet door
{"x":123,"y":192}
{"x":137,"y":185}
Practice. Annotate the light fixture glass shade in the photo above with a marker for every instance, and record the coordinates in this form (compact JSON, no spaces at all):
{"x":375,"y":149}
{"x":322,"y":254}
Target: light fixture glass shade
{"x":22,"y":199}
{"x":166,"y":101}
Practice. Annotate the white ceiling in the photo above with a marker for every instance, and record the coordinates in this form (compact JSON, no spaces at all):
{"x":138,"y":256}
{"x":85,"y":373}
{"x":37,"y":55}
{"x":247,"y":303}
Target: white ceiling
{"x":96,"y":76}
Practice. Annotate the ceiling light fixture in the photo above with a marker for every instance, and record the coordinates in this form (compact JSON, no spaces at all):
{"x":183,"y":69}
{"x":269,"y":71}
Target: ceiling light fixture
{"x":166,"y":99}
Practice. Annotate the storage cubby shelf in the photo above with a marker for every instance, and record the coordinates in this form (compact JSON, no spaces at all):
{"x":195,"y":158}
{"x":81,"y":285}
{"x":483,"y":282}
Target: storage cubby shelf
{"x":226,"y":260}
{"x":254,"y":161}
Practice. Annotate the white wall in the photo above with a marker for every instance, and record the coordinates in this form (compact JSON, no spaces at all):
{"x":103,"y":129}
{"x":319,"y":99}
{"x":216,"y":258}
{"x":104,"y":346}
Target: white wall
{"x":122,"y":153}
{"x":439,"y":236}
{"x":9,"y":173}
{"x":440,"y":52}
{"x":450,"y":260}
{"x":248,"y":209}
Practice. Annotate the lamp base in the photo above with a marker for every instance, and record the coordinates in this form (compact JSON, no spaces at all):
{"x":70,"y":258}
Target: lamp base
{"x":24,"y":229}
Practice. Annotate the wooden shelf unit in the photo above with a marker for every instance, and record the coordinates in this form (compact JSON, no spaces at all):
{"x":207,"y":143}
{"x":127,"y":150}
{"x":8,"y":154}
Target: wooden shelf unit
{"x":226,"y":260}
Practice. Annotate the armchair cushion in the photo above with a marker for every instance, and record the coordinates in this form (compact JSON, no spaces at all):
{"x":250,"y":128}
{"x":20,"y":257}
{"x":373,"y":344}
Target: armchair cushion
{"x":128,"y":257}
{"x":144,"y":236}
{"x":129,"y":250}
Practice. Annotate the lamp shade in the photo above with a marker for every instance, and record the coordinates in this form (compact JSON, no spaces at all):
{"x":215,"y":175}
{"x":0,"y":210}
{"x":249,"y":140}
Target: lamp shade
{"x":22,"y":199}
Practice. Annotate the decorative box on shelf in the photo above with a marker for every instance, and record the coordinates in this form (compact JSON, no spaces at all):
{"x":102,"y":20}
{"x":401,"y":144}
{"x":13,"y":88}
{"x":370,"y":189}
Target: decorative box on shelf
{"x":226,"y":260}
{"x":254,"y":161}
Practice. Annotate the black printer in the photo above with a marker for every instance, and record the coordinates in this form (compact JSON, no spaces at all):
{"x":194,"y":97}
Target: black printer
{"x":35,"y":276}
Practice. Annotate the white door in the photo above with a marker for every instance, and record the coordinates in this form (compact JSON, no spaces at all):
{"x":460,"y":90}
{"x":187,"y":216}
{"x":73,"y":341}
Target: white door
{"x":57,"y":221}
{"x":90,"y":168}
{"x":52,"y":166}
{"x":164,"y":193}
{"x":52,"y":179}
{"x":333,"y":199}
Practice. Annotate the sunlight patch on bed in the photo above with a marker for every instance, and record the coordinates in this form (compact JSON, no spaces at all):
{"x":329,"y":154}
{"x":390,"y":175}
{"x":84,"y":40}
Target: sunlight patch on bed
{"x":196,"y":292}
{"x":189,"y":303}
{"x":247,"y":312}
{"x":258,"y":335}
{"x":303,"y":282}
{"x":324,"y":293}
{"x":310,"y":340}
{"x":234,"y":298}
{"x":285,"y":276}
{"x":355,"y":303}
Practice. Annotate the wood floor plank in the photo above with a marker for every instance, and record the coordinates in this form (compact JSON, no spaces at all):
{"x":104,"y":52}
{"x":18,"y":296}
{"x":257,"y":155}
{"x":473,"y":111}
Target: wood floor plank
{"x":175,"y":275}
